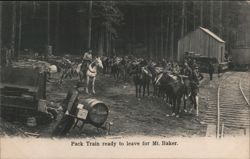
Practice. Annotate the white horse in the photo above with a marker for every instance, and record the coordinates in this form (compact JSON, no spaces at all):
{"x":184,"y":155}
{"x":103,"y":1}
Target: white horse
{"x":92,"y":72}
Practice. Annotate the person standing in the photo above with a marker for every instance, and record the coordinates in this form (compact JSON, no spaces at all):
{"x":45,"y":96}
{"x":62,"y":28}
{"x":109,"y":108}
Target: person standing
{"x":210,"y":70}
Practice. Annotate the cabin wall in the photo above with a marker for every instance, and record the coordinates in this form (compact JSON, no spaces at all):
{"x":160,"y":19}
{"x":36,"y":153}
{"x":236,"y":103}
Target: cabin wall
{"x":201,"y":43}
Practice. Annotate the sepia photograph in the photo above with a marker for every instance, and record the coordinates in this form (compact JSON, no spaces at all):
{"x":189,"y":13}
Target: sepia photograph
{"x":125,"y":79}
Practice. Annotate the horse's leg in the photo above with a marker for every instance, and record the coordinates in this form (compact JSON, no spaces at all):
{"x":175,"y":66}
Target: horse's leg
{"x":87,"y":84}
{"x":140,"y":90}
{"x":148,"y":88}
{"x":144,"y":87}
{"x":178,"y":103}
{"x":93,"y":85}
{"x":173,"y":102}
{"x":136,"y":90}
{"x":196,"y":106}
{"x":185,"y":102}
{"x":192,"y":98}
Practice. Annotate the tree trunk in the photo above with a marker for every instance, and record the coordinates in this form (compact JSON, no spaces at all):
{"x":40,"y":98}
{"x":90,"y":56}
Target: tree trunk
{"x":162,"y":44}
{"x":48,"y":29}
{"x":220,"y":19}
{"x":156,"y":47}
{"x":133,"y":32}
{"x":90,"y":23}
{"x":19,"y":31}
{"x":172,"y":33}
{"x":57,"y":28}
{"x":211,"y":15}
{"x":183,"y":18}
{"x":150,"y":40}
{"x":1,"y":28}
{"x":146,"y":32}
{"x":194,"y":16}
{"x":13,"y":32}
{"x":107,"y":43}
{"x":167,"y":37}
{"x":100,"y":46}
{"x":201,"y":13}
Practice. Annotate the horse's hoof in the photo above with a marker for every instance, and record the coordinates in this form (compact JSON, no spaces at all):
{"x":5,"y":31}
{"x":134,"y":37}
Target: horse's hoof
{"x":167,"y":115}
{"x":177,"y":116}
{"x":173,"y":114}
{"x":185,"y":110}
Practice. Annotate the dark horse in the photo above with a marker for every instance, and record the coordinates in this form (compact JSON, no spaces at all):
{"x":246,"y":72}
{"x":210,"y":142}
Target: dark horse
{"x":173,"y":88}
{"x":141,"y":80}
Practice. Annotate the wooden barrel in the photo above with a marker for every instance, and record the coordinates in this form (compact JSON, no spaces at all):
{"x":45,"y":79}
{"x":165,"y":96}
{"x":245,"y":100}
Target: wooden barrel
{"x":97,"y":111}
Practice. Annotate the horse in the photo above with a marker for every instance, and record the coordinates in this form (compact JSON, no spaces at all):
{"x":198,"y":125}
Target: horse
{"x":92,"y":72}
{"x":107,"y":62}
{"x":118,"y":67}
{"x":141,"y":80}
{"x":155,"y":72}
{"x":174,"y":89}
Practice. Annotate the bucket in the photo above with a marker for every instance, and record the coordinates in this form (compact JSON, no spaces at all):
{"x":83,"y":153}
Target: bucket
{"x":97,"y":111}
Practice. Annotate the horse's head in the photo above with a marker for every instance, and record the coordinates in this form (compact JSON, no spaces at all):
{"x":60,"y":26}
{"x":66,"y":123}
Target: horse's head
{"x":98,"y":62}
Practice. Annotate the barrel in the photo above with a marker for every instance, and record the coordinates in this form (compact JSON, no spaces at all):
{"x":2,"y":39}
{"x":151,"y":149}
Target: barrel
{"x":97,"y":111}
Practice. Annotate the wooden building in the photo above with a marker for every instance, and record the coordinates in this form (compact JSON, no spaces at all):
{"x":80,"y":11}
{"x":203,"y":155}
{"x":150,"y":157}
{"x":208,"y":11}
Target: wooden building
{"x":202,"y":42}
{"x":240,"y":52}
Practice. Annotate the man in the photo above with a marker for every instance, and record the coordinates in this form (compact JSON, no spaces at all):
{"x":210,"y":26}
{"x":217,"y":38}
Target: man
{"x":69,"y":109}
{"x":88,"y":56}
{"x":193,"y":64}
{"x":210,"y":70}
{"x":187,"y":71}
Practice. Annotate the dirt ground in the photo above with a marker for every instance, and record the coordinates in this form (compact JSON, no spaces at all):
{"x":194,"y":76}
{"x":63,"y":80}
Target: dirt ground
{"x":147,"y":116}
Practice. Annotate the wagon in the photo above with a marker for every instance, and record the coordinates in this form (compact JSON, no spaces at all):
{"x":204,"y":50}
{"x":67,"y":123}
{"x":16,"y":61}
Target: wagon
{"x":22,"y":94}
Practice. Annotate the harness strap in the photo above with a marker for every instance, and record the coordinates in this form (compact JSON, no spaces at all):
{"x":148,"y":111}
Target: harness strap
{"x":91,"y":71}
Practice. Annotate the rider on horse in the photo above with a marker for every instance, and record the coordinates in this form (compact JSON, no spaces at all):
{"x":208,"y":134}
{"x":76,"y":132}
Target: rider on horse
{"x":86,"y":60}
{"x":87,"y":57}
